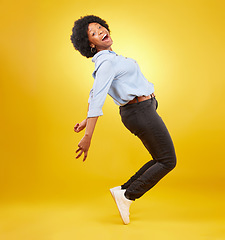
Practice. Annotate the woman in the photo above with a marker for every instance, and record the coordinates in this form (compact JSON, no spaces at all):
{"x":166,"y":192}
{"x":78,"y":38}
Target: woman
{"x":121,"y":78}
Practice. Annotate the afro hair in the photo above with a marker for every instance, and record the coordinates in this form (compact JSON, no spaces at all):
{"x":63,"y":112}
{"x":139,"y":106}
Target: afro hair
{"x":79,"y":36}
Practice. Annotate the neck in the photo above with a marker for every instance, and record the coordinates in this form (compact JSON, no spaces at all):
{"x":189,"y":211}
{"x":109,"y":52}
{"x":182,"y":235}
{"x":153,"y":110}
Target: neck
{"x":110,"y":49}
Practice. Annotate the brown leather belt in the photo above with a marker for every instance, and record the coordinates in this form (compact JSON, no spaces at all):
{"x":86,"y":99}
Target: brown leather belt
{"x":141,"y":98}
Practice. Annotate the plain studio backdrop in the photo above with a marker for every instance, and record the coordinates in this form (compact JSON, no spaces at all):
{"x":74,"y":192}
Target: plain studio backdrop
{"x":45,"y":192}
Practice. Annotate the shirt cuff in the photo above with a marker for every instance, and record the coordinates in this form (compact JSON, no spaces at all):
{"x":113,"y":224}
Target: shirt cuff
{"x":94,"y":113}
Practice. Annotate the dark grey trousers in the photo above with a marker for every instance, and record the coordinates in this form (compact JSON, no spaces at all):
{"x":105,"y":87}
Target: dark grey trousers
{"x":142,"y":120}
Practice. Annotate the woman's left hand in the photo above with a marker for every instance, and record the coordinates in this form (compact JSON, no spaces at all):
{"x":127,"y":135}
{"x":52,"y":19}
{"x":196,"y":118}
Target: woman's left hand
{"x":83,"y":147}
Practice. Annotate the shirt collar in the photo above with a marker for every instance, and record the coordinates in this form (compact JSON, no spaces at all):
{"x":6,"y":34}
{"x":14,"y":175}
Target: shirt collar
{"x":100,"y":53}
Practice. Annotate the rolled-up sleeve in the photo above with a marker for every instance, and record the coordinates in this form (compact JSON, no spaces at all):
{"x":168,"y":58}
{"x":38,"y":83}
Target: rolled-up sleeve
{"x":103,"y":80}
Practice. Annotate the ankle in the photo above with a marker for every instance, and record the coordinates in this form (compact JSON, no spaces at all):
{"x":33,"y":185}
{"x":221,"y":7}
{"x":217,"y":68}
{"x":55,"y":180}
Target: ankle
{"x":127,"y":197}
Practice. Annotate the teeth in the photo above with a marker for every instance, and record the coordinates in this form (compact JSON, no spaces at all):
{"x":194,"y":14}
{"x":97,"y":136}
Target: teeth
{"x":104,"y":37}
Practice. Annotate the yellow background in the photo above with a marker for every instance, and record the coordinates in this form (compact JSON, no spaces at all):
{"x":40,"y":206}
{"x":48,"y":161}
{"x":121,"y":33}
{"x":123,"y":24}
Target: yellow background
{"x":45,"y":192}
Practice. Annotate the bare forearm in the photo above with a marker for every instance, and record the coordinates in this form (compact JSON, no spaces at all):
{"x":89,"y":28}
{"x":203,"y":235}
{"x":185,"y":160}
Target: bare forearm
{"x":85,"y":142}
{"x":91,"y":122}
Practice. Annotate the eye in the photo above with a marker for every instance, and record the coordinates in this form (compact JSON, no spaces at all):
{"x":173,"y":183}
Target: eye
{"x":100,"y":26}
{"x":93,"y":34}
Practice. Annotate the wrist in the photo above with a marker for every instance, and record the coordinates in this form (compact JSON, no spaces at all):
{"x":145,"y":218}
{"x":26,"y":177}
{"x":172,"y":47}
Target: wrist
{"x":87,"y":135}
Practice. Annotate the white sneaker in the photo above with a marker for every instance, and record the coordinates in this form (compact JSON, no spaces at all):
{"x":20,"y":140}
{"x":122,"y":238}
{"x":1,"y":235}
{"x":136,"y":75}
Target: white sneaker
{"x":112,"y":190}
{"x":123,"y":205}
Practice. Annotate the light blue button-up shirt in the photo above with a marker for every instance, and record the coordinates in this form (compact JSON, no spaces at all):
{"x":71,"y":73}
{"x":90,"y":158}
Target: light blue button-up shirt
{"x":118,"y":76}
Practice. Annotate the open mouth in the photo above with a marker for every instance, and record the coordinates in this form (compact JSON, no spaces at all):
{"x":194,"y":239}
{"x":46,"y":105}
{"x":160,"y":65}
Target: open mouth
{"x":105,"y":37}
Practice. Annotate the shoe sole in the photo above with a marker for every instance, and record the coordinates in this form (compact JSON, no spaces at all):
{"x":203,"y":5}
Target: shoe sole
{"x":113,"y":196}
{"x":112,"y":192}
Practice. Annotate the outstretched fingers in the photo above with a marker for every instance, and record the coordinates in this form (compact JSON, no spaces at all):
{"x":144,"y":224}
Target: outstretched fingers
{"x":85,"y":156}
{"x":81,"y":151}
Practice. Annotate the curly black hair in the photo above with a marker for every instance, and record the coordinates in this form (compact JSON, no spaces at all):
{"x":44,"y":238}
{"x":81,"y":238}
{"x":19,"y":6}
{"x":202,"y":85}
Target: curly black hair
{"x":79,"y":36}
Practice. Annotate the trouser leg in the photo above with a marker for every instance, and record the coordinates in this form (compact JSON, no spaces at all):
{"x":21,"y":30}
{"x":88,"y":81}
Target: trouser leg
{"x":138,"y":174}
{"x":143,"y":121}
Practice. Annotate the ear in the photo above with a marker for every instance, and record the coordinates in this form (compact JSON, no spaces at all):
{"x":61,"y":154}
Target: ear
{"x":92,"y":45}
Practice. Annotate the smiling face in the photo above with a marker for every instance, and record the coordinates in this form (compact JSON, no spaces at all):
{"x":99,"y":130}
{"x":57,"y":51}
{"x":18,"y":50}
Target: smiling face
{"x":99,"y":37}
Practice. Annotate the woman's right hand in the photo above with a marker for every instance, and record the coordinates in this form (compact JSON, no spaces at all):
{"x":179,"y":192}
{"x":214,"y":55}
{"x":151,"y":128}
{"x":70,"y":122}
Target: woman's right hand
{"x":80,"y":126}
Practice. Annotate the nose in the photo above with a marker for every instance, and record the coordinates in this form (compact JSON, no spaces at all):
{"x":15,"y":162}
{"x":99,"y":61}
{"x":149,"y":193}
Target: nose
{"x":100,"y":31}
